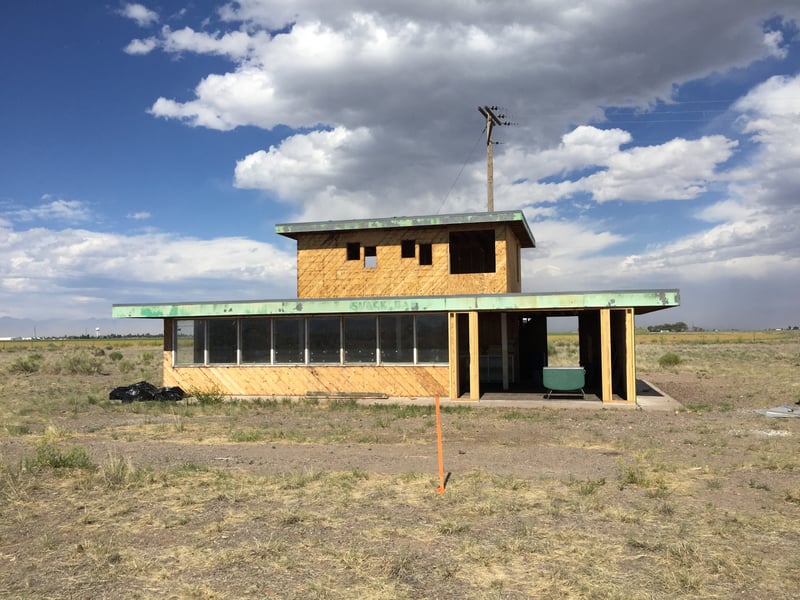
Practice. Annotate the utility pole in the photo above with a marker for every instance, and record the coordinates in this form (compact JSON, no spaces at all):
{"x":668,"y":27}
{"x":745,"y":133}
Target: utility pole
{"x":492,"y":121}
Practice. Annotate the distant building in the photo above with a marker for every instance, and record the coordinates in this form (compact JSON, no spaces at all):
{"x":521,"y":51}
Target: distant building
{"x":406,"y":307}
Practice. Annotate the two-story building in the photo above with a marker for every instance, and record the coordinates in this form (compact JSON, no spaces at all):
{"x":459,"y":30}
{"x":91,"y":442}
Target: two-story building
{"x":406,"y":307}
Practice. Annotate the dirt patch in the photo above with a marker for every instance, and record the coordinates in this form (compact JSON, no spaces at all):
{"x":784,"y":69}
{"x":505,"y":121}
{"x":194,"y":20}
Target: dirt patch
{"x":337,"y":500}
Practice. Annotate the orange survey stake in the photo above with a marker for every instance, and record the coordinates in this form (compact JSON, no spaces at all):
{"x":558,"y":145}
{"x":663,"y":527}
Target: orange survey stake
{"x":440,"y":489}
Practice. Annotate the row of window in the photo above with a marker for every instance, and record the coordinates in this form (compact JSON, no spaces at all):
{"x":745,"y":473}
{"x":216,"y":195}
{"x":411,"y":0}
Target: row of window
{"x":407,"y":250}
{"x":470,"y":252}
{"x":362,"y":339}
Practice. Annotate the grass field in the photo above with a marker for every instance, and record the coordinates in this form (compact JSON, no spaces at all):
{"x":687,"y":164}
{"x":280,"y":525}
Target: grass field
{"x":280,"y":499}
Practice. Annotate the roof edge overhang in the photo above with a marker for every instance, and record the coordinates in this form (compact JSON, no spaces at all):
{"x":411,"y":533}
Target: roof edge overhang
{"x":515,"y":218}
{"x":642,"y":301}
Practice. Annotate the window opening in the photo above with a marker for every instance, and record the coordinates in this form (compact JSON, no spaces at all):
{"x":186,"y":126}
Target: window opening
{"x":324,"y":340}
{"x":360,"y":339}
{"x":289,"y":339}
{"x":425,"y":254}
{"x":190,"y":342}
{"x":370,"y":257}
{"x":407,"y":248}
{"x":255,"y":340}
{"x":353,"y":251}
{"x":472,"y":251}
{"x":397,"y":338}
{"x":222,"y":341}
{"x":432,"y":342}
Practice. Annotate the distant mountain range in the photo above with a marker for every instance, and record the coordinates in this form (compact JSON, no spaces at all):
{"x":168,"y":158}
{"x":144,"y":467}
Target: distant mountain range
{"x":29,"y":328}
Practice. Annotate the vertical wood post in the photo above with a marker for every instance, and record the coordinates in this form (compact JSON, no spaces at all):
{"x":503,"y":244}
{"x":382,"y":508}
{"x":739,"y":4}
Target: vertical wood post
{"x":630,"y":355}
{"x":605,"y":355}
{"x":453,"y":355}
{"x":474,"y":358}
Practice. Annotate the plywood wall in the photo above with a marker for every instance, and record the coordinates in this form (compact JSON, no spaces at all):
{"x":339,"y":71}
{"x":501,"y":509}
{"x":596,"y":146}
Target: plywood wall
{"x":396,"y":381}
{"x":323,"y":270}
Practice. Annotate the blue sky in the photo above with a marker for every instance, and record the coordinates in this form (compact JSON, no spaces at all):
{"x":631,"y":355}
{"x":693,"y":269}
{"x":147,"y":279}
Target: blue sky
{"x":149,"y":149}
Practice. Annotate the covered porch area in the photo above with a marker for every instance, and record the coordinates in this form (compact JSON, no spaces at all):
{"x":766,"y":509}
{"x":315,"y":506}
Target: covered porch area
{"x":504,"y":354}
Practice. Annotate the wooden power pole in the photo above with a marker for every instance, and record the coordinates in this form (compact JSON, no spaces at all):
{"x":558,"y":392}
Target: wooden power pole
{"x":492,"y":121}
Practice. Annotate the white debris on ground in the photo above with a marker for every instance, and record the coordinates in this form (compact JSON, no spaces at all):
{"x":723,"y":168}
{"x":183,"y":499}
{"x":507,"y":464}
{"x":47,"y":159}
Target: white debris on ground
{"x":761,"y":432}
{"x":780,"y":411}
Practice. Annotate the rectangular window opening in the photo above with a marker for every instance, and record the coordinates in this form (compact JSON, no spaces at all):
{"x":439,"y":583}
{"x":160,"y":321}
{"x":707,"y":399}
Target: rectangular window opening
{"x":222,"y":341}
{"x":370,"y":257}
{"x":397,"y":338}
{"x":426,"y":254}
{"x":360,"y":339}
{"x":432,"y":342}
{"x":353,"y":251}
{"x":256,"y":340}
{"x":289,"y":339}
{"x":472,"y":252}
{"x":407,"y":249}
{"x":324,"y":340}
{"x":190,"y":338}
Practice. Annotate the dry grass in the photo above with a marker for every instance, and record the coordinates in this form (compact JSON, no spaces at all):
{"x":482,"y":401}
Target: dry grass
{"x":185,"y":501}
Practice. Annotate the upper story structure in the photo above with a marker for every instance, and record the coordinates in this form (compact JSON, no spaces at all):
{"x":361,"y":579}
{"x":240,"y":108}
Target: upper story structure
{"x":440,"y":255}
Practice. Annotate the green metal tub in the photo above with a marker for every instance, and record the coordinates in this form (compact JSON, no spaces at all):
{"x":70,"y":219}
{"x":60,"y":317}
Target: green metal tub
{"x":564,"y":379}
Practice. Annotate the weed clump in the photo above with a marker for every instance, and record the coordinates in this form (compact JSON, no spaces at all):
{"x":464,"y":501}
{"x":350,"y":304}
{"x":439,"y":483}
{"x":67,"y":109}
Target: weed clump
{"x":80,"y":363}
{"x":669,"y":359}
{"x":50,"y":455}
{"x":210,"y":397}
{"x":30,"y":364}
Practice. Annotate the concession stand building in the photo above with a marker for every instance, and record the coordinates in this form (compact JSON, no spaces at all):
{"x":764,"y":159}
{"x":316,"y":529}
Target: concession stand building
{"x":404,"y":307}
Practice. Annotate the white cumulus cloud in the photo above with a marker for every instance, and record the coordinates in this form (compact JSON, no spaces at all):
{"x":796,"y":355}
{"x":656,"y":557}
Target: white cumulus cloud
{"x":139,"y":13}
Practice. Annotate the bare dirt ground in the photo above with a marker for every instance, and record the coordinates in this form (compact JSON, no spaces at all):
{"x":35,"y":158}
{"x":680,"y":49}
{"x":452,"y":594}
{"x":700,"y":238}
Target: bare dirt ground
{"x":336,"y":500}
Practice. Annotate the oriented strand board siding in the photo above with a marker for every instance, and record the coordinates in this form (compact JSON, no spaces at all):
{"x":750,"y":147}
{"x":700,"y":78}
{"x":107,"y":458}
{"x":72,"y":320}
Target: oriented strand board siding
{"x":399,"y":381}
{"x":323,"y":270}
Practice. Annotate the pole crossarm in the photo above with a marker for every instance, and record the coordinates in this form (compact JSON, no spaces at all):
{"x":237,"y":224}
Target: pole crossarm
{"x":492,"y":120}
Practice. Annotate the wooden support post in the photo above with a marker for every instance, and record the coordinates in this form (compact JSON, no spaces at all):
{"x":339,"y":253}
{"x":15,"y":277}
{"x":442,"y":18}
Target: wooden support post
{"x":606,"y":394}
{"x":453,"y":355}
{"x":504,"y":348}
{"x":630,"y":355}
{"x":474,"y":358}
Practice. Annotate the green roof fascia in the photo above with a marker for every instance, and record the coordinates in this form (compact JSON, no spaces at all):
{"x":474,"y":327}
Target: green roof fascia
{"x":641,"y":300}
{"x":515,"y":218}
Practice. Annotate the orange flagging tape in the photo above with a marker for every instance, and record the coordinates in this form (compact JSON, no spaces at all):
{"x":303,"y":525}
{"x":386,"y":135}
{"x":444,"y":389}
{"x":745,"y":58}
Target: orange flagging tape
{"x":440,"y":489}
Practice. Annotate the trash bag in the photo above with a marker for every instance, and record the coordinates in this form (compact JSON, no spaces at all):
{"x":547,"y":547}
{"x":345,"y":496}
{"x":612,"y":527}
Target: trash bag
{"x":144,"y":391}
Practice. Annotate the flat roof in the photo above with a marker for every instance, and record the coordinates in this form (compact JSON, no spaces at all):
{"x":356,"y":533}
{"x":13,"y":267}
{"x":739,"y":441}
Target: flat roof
{"x":515,"y":218}
{"x":562,"y":303}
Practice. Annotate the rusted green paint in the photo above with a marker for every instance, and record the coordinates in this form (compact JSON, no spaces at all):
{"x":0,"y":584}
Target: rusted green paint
{"x":515,"y":218}
{"x":642,"y":301}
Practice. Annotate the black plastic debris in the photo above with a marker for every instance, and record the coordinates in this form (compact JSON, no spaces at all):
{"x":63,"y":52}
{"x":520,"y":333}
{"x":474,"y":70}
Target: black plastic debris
{"x":144,"y":391}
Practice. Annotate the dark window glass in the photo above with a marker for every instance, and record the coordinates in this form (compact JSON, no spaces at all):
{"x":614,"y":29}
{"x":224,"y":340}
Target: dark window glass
{"x":324,"y":340}
{"x":472,"y":251}
{"x":425,"y":254}
{"x":353,"y":251}
{"x":190,"y":341}
{"x":360,"y":339}
{"x":397,"y":338}
{"x":222,"y":341}
{"x":432,"y":338}
{"x":407,"y":249}
{"x":255,"y":340}
{"x":289,"y":337}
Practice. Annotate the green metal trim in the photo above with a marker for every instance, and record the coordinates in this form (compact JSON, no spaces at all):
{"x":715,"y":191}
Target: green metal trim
{"x":641,"y":301}
{"x":515,"y":218}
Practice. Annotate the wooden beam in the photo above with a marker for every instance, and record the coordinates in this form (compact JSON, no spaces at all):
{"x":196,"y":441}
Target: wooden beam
{"x":630,"y":355}
{"x":474,"y":358}
{"x":452,"y":319}
{"x":606,"y":394}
